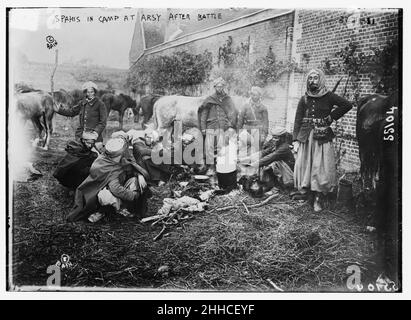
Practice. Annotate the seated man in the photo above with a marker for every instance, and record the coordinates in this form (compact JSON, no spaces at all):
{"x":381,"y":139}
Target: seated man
{"x":74,"y":168}
{"x":276,"y":158}
{"x":115,"y":182}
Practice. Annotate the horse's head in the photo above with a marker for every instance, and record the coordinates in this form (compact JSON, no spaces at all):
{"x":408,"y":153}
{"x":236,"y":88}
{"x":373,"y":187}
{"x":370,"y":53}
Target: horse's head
{"x":77,"y":95}
{"x":62,"y":100}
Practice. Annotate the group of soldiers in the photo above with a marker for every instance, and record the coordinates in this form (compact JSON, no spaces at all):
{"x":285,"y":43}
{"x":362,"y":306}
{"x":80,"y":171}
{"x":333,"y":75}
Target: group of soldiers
{"x":111,"y":178}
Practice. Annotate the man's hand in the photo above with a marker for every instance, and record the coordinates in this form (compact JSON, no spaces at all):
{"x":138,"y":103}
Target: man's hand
{"x":203,"y":132}
{"x":255,"y":164}
{"x":133,"y":135}
{"x":328,"y":120}
{"x":141,"y":182}
{"x":296,"y":146}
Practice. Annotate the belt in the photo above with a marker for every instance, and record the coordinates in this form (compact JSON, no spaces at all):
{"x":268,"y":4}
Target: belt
{"x":316,"y":121}
{"x":252,"y":123}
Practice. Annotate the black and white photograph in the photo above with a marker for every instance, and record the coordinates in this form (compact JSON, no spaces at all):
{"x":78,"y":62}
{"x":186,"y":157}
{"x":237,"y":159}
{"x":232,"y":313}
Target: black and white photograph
{"x":225,"y":149}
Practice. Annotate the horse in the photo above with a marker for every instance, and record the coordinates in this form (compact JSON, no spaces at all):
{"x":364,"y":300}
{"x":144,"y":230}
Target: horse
{"x":39,"y":107}
{"x":371,"y":113}
{"x":120,"y":103}
{"x":377,"y":130}
{"x":145,"y":108}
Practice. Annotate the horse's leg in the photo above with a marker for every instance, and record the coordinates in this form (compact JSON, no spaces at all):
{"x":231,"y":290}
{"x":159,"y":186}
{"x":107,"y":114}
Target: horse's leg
{"x":120,"y":117}
{"x":37,"y":125}
{"x":47,"y":131}
{"x":48,"y":120}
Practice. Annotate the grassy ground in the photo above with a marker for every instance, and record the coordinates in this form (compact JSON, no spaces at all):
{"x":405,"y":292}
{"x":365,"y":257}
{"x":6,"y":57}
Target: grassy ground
{"x":230,"y":250}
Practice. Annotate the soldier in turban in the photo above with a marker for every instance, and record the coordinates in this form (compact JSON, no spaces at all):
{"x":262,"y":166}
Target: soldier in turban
{"x":217,"y":115}
{"x":254,"y":118}
{"x":315,"y":168}
{"x":91,"y":110}
{"x":115,"y":183}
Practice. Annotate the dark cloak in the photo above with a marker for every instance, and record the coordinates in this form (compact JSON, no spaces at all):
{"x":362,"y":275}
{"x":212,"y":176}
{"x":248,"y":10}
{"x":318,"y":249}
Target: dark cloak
{"x":103,"y":170}
{"x":227,"y":104}
{"x":74,"y":168}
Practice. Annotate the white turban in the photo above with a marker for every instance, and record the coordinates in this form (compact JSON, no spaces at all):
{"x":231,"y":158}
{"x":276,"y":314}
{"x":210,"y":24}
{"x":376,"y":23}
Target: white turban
{"x":257,"y":90}
{"x":219,"y":82}
{"x":278,"y":131}
{"x":116,"y":147}
{"x":89,"y":84}
{"x":89,"y":135}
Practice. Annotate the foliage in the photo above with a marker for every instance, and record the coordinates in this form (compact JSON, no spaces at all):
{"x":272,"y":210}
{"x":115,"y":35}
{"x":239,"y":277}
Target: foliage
{"x":268,"y":69}
{"x":242,"y":75}
{"x":381,"y":65}
{"x":175,"y":73}
{"x":171,"y":73}
{"x":99,"y":76}
{"x":385,"y":65}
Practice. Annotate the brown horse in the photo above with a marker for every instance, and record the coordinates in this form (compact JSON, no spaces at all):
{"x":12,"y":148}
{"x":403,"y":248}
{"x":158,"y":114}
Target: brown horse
{"x":120,"y":103}
{"x":39,"y":107}
{"x":145,"y":108}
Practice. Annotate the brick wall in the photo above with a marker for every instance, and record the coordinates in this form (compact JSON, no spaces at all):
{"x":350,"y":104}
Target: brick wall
{"x":308,"y":36}
{"x":274,"y":32}
{"x":321,"y":33}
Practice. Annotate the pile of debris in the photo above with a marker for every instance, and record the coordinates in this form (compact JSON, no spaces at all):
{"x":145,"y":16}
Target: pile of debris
{"x":189,"y":198}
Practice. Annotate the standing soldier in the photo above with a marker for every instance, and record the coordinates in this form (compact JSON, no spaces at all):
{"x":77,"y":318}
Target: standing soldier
{"x":315,"y":167}
{"x":254,"y":115}
{"x":217,"y":116}
{"x":92,"y":112}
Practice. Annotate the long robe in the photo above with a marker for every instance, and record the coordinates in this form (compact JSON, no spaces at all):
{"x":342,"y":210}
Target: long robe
{"x":74,"y":168}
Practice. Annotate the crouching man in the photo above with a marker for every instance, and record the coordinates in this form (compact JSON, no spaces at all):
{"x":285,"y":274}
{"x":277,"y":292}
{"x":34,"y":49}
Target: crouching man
{"x":277,"y":159}
{"x":142,"y":149}
{"x":74,"y":168}
{"x":115,"y":183}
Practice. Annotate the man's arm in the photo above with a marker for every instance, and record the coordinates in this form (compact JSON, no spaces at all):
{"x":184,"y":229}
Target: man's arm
{"x":241,"y":118}
{"x":234,"y":115}
{"x":279,"y":154}
{"x":299,"y":115}
{"x":264,"y":129}
{"x":203,"y":117}
{"x":121,"y":192}
{"x":102,"y":118}
{"x":342,"y":107}
{"x":70,"y":112}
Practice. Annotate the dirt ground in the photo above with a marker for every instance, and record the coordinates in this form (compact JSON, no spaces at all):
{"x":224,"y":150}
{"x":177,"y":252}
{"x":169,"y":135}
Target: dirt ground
{"x":241,"y":249}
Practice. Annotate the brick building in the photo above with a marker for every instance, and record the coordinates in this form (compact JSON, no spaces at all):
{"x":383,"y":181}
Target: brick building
{"x":307,"y":36}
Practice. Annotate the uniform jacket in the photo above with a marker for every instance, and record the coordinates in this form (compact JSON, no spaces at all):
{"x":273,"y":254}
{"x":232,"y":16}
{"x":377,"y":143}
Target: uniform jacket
{"x":254,"y":117}
{"x":92,"y":115}
{"x":271,"y":153}
{"x":317,"y":108}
